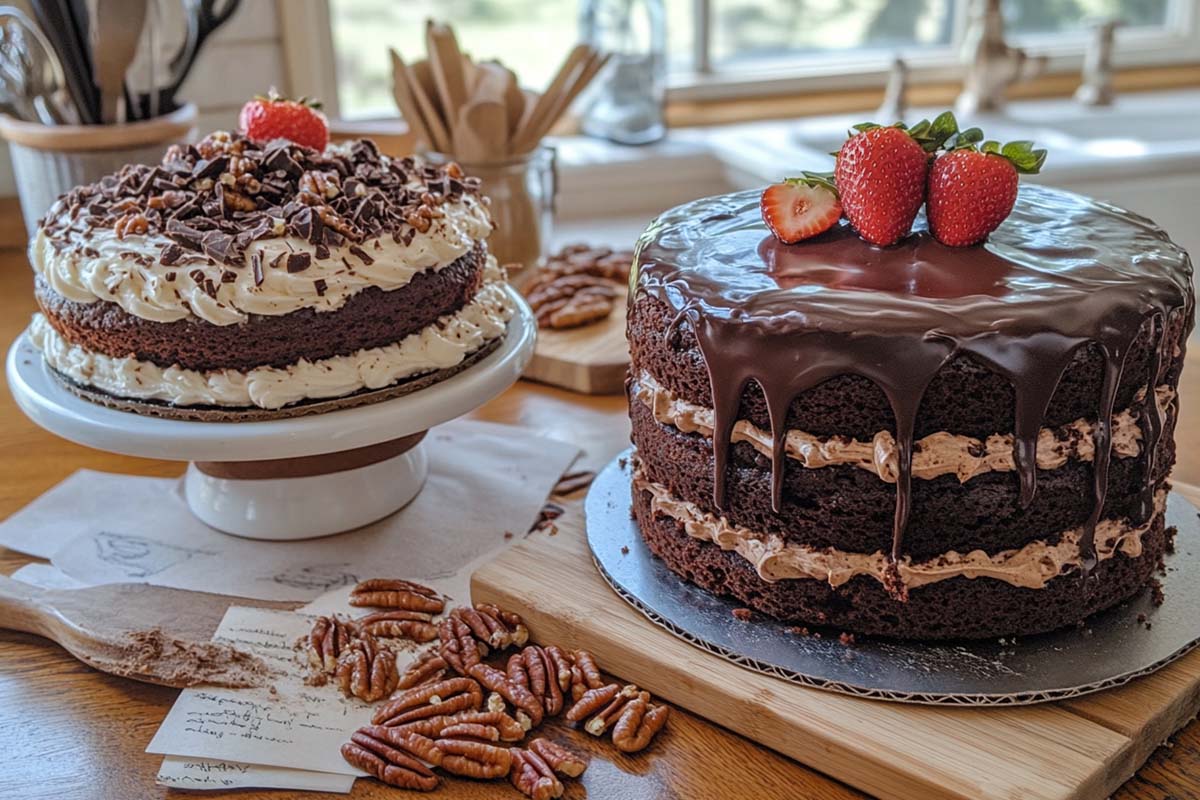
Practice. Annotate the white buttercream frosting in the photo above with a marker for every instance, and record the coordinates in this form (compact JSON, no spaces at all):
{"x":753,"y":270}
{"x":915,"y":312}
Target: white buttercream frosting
{"x":1031,"y":566}
{"x":442,"y":345}
{"x":90,"y":265}
{"x":940,"y":453}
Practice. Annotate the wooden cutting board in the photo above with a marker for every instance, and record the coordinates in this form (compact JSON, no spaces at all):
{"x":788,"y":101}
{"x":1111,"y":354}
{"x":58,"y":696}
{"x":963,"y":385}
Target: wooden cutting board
{"x":1079,"y":749}
{"x":590,"y":360}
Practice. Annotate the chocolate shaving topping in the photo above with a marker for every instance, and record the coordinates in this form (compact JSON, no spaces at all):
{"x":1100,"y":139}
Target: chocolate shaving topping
{"x":170,"y":255}
{"x":203,"y":206}
{"x":361,"y":254}
{"x":322,"y":251}
{"x":319,"y":284}
{"x":298,"y":262}
{"x":256,"y":268}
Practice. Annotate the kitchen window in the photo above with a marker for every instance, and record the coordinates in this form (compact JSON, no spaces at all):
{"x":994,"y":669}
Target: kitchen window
{"x":738,"y":47}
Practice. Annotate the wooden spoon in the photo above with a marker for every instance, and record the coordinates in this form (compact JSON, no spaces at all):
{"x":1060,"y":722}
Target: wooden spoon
{"x":534,"y":121}
{"x":449,"y":74}
{"x":485,"y":129}
{"x":403,"y":92}
{"x":135,"y":630}
{"x":584,"y":75}
{"x":420,"y":82}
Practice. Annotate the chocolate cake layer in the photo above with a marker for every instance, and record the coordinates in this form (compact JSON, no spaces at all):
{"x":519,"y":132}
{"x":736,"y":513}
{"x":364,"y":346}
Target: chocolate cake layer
{"x":965,"y":397}
{"x":954,"y":608}
{"x":851,"y":509}
{"x":371,"y":318}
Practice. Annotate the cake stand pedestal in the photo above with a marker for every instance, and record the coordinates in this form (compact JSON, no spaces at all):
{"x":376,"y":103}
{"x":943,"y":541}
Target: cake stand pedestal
{"x":292,"y":478}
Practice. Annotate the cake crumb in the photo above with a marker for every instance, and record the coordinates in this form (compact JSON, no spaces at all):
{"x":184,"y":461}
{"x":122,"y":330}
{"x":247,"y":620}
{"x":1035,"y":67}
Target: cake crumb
{"x":1156,"y":593}
{"x":743,"y":614}
{"x":796,"y":630}
{"x":624,"y":549}
{"x":846,"y":638}
{"x":508,"y":534}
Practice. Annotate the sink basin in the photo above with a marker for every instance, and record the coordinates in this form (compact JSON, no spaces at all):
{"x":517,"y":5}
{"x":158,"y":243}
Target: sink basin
{"x":1108,"y":124}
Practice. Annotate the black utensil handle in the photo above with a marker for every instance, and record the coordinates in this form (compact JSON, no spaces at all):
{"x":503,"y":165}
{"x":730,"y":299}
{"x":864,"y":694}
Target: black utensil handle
{"x":208,"y":20}
{"x":60,"y":30}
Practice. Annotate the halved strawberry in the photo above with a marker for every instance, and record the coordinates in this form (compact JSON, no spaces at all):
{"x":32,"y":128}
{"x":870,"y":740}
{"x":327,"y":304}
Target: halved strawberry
{"x":799,"y":208}
{"x":972,"y":189}
{"x":881,"y":172}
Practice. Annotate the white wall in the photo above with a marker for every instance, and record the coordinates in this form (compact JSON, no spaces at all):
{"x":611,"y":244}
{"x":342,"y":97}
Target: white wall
{"x":242,"y":59}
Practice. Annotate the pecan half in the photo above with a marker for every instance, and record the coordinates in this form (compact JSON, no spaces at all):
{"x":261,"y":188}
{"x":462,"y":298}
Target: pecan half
{"x":493,"y":626}
{"x":487,"y":725}
{"x":521,"y":698}
{"x":563,"y":300}
{"x":131,"y":224}
{"x":592,"y":702}
{"x":458,"y":646}
{"x":474,"y":759}
{"x":602,"y":719}
{"x":389,"y":593}
{"x":430,"y":700}
{"x":428,"y":668}
{"x":399,"y":624}
{"x":388,"y":760}
{"x":367,"y":671}
{"x":533,"y":777}
{"x":560,"y":759}
{"x":328,"y":639}
{"x":561,"y":666}
{"x":322,"y":185}
{"x":580,"y":310}
{"x":585,"y":674}
{"x":541,"y":677}
{"x":638,"y":723}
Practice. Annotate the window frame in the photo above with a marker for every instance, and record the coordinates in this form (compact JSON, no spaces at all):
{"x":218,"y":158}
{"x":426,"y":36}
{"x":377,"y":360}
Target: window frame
{"x":309,"y":54}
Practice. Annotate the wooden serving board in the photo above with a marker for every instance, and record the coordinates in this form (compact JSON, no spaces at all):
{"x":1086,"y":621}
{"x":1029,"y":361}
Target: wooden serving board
{"x":1083,"y":748}
{"x":591,"y":360}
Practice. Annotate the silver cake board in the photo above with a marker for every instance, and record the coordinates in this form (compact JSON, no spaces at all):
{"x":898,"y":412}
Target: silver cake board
{"x":1111,"y":649}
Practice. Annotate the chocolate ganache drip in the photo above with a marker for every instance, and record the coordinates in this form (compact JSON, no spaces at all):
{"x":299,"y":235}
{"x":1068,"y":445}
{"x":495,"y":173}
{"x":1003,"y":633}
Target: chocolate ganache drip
{"x":1063,"y":272}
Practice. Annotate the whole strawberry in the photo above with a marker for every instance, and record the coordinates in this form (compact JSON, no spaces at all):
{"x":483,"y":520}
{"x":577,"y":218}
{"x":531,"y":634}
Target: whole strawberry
{"x":881,"y":172}
{"x":973,"y":189}
{"x":274,"y":117}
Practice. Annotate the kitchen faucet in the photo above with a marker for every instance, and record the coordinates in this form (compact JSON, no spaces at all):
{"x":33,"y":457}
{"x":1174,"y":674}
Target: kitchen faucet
{"x":992,"y":64}
{"x":1097,"y":86}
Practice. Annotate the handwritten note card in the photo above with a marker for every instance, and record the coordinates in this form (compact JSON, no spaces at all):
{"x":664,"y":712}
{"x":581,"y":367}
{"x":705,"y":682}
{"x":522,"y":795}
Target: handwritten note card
{"x":203,"y":773}
{"x":286,"y":724}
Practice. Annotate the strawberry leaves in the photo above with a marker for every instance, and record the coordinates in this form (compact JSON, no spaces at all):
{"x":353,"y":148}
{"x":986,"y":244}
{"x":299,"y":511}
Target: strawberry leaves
{"x":1027,"y":159}
{"x":817,"y":180}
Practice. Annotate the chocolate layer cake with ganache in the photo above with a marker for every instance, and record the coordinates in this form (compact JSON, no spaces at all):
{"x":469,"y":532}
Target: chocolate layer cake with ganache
{"x":917,"y":441}
{"x":239,"y":277}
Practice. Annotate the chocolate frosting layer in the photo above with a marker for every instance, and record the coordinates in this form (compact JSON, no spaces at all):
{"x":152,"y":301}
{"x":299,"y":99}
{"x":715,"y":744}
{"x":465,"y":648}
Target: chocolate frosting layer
{"x":1063,"y":270}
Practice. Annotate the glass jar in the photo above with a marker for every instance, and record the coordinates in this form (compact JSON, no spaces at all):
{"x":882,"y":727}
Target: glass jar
{"x":522,"y":192}
{"x":626,"y":103}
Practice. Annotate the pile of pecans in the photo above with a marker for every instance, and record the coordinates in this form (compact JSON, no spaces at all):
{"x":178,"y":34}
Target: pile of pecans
{"x":454,"y":710}
{"x":578,"y":286}
{"x":350,"y":651}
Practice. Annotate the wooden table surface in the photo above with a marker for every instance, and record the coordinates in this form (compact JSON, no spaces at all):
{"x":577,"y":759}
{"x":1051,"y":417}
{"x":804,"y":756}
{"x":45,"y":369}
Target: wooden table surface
{"x":70,"y":732}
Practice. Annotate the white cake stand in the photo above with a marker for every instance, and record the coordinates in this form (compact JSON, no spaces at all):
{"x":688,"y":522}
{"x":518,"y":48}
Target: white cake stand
{"x":288,"y":478}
